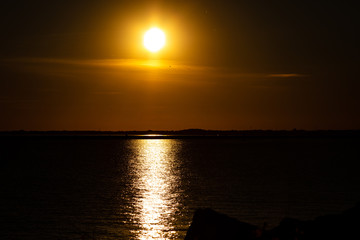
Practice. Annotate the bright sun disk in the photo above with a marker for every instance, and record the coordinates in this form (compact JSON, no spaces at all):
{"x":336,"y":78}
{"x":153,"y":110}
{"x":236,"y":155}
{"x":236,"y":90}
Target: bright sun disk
{"x":154,"y":39}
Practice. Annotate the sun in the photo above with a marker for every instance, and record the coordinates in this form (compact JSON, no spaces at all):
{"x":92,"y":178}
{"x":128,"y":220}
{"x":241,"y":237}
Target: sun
{"x":154,"y":39}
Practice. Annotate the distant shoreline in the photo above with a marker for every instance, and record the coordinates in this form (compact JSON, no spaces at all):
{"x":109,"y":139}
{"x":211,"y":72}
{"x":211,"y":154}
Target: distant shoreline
{"x":188,"y":133}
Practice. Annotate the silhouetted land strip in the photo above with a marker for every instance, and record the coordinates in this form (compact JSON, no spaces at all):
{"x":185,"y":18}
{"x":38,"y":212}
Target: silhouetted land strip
{"x":188,"y":133}
{"x":208,"y":224}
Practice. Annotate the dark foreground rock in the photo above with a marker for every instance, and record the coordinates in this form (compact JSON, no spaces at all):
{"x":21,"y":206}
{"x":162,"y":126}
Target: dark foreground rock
{"x":208,"y":224}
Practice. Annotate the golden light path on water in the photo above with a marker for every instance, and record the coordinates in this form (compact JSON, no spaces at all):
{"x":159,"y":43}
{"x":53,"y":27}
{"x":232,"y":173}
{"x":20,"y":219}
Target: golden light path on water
{"x":156,"y":185}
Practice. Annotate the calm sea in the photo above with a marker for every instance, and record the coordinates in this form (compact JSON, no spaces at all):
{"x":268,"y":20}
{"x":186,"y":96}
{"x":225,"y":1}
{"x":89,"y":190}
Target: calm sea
{"x":112,"y":188}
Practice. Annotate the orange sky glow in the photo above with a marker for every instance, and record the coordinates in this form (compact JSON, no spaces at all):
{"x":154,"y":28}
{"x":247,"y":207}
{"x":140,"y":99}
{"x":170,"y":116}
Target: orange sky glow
{"x":228,"y":67}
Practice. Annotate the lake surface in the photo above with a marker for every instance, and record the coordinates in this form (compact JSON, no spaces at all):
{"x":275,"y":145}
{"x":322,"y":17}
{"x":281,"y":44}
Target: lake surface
{"x":109,"y":188}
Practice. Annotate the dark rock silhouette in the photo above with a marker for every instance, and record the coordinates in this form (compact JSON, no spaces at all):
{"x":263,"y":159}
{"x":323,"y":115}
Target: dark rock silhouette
{"x":210,"y":225}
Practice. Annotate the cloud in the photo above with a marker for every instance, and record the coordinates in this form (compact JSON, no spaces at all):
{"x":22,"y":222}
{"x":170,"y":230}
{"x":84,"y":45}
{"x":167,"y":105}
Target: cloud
{"x":286,"y":75}
{"x":107,"y":93}
{"x":158,"y":69}
{"x":112,"y":63}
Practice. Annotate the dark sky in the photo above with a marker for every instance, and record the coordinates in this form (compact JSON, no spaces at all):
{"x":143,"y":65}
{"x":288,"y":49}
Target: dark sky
{"x":80,"y":65}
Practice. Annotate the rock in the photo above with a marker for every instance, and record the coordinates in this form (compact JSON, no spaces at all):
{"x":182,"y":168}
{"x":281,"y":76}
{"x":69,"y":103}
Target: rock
{"x":340,"y":226}
{"x":208,"y":224}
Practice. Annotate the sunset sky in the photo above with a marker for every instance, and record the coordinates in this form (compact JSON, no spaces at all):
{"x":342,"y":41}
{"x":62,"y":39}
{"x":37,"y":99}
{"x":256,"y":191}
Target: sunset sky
{"x":81,"y":65}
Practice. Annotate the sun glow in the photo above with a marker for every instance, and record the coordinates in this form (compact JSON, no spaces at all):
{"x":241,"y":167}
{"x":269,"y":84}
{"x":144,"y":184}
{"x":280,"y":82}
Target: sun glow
{"x":154,"y":39}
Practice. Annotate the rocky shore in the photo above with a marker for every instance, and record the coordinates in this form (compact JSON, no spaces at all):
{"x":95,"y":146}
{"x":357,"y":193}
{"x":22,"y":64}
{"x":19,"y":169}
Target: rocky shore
{"x":208,"y":224}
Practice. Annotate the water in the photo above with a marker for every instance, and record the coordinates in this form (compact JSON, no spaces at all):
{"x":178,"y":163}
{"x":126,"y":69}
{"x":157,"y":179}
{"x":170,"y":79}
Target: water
{"x":108,"y":188}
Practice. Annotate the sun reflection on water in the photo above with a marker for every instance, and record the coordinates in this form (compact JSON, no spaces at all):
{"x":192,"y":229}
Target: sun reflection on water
{"x":156,"y":187}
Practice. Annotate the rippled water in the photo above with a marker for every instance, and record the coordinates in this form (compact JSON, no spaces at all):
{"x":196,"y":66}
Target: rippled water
{"x":109,"y":188}
{"x":157,"y":187}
